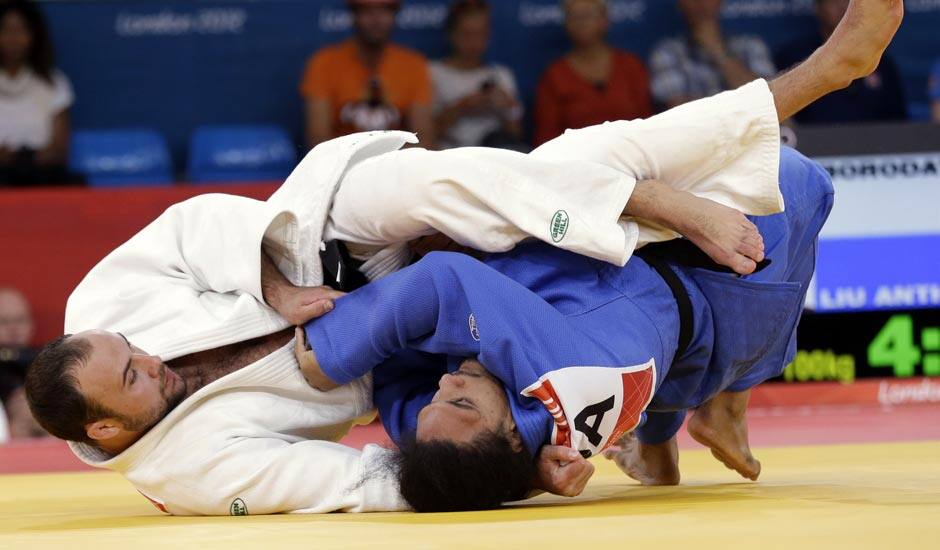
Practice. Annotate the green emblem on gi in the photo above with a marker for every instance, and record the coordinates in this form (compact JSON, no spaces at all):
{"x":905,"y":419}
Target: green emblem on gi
{"x":559,"y":226}
{"x":238,"y":508}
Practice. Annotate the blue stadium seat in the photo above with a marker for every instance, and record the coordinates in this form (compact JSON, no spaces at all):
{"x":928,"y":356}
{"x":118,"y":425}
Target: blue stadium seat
{"x":240,"y":153}
{"x":119,"y":158}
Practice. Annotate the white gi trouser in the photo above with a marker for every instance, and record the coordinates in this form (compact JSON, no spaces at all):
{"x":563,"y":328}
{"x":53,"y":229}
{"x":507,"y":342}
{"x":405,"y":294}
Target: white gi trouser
{"x":724,"y":148}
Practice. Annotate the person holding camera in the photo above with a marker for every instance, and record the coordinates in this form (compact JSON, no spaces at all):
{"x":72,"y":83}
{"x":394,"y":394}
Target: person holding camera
{"x":476,"y":103}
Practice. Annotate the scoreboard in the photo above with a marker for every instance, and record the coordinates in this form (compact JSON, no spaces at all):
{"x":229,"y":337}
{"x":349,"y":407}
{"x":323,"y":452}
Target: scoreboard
{"x":880,"y":248}
{"x":845,"y":346}
{"x":873,"y":309}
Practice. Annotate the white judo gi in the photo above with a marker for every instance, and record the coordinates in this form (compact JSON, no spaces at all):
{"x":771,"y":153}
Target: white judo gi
{"x":260,"y":440}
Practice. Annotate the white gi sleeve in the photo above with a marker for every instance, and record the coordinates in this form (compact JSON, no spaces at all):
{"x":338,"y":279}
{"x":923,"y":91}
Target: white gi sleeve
{"x":725,"y":148}
{"x":180,"y":275}
{"x":571,"y":191}
{"x":486,"y":199}
{"x":258,"y":475}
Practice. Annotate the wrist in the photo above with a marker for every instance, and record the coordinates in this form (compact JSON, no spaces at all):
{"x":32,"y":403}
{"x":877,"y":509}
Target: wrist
{"x":276,"y":294}
{"x":275,"y":288}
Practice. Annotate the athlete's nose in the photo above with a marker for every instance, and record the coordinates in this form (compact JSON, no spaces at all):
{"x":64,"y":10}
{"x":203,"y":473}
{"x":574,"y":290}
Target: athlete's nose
{"x":450,"y":380}
{"x":152,"y":363}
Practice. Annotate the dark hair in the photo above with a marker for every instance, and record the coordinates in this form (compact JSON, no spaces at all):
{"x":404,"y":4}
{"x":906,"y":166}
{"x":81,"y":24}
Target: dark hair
{"x":442,"y":476}
{"x":464,"y":8}
{"x":40,"y":57}
{"x":52,"y":392}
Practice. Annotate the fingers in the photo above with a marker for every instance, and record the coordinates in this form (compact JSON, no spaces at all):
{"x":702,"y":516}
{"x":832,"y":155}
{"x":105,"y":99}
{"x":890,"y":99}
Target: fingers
{"x":309,"y":303}
{"x":300,"y":351}
{"x":581,"y":474}
{"x":560,"y":453}
{"x":327,"y":292}
{"x":316,"y":309}
{"x":564,"y":471}
{"x":588,"y":474}
{"x":300,"y":342}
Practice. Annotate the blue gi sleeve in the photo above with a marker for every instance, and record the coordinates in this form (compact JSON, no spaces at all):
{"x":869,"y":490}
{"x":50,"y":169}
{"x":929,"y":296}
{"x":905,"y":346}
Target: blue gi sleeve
{"x":454,"y":305}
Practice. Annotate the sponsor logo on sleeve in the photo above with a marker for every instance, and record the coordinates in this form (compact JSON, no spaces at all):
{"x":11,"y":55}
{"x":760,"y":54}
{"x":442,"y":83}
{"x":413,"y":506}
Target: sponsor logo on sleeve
{"x":238,"y":508}
{"x":474,"y":331}
{"x":559,"y":226}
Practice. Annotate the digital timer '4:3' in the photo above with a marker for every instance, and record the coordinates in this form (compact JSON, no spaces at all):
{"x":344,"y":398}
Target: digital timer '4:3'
{"x":894,"y":347}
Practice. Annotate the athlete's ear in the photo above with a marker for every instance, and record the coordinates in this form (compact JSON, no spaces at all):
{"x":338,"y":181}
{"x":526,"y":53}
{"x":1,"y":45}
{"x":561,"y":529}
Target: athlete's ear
{"x":102,"y":430}
{"x":515,"y":440}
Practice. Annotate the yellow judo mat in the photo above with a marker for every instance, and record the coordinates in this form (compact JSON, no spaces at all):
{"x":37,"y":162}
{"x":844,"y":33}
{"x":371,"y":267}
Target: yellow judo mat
{"x":845,"y":496}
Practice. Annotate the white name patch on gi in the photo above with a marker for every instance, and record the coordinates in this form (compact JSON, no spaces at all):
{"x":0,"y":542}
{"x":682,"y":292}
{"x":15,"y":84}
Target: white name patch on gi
{"x":594,"y":406}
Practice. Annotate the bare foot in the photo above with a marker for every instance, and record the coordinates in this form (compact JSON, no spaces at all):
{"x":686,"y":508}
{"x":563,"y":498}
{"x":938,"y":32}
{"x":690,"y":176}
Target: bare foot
{"x":648,"y":464}
{"x":725,"y":234}
{"x":721,"y":425}
{"x":855,"y":48}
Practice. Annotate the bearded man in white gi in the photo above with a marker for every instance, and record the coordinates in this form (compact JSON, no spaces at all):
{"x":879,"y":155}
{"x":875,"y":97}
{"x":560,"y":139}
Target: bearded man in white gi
{"x":215,"y":416}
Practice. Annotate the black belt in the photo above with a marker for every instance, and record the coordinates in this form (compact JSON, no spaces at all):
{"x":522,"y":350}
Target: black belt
{"x":340,"y":270}
{"x":682,"y":252}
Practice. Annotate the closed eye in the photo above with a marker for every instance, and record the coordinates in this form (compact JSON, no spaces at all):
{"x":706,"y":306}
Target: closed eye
{"x":462,"y":403}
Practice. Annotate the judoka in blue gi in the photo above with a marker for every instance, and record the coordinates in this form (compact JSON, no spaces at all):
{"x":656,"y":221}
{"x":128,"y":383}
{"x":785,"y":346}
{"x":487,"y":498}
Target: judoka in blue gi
{"x":477,"y":365}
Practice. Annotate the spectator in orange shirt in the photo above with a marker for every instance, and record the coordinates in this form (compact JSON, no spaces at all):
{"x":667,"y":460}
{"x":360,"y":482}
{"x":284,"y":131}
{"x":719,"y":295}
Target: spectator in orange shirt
{"x":366,"y":82}
{"x":594,"y":83}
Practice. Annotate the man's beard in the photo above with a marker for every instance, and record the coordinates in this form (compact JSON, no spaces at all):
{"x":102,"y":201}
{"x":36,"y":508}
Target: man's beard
{"x":170,"y":402}
{"x":175,"y":398}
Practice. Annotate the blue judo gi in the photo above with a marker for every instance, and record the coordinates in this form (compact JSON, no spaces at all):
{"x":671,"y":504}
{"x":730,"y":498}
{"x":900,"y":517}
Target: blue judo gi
{"x":586,"y":350}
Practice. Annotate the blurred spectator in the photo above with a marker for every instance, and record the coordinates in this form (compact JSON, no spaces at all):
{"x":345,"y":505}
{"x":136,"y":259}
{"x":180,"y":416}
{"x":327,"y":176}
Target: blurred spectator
{"x":879,"y":96}
{"x":16,"y":333}
{"x":366,"y":82}
{"x":933,"y":91}
{"x":35,"y":98}
{"x":704,"y":61}
{"x":594,"y":83}
{"x":474,"y":103}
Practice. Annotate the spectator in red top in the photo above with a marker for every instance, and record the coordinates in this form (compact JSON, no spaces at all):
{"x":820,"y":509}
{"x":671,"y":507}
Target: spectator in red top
{"x":594,"y":83}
